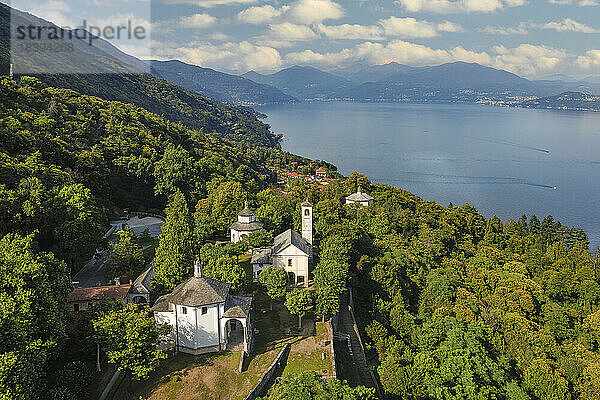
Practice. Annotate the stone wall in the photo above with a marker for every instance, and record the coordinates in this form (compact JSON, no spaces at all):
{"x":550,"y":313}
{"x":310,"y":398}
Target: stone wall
{"x":332,"y":349}
{"x":266,"y":380}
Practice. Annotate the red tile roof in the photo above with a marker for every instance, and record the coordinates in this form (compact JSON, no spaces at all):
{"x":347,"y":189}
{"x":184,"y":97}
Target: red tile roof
{"x":96,"y":293}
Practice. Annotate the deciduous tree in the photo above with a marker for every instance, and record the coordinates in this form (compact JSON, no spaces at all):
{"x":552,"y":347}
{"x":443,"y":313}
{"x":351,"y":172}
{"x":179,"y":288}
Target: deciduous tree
{"x":297,"y":301}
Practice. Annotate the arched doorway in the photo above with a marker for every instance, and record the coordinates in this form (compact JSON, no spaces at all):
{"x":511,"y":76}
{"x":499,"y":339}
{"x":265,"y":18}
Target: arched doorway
{"x":291,"y":278}
{"x":235,"y":334}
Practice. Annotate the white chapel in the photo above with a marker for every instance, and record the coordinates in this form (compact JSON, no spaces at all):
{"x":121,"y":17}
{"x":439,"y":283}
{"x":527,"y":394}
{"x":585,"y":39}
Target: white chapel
{"x":245,"y":225}
{"x":290,"y":251}
{"x":204,"y":317}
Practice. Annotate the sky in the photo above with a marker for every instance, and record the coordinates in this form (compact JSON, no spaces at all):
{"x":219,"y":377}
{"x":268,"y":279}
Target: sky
{"x":532,"y":38}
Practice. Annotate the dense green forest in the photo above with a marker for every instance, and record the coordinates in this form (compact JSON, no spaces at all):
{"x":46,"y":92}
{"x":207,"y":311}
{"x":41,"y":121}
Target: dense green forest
{"x":67,"y":160}
{"x":453,"y":305}
{"x":143,"y":90}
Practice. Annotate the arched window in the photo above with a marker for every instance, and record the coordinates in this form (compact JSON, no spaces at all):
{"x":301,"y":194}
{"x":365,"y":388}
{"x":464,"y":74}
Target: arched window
{"x":306,"y":212}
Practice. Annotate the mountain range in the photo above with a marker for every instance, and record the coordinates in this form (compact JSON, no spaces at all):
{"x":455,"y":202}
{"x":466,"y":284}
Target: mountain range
{"x":393,"y":82}
{"x":203,"y":98}
{"x":218,"y":85}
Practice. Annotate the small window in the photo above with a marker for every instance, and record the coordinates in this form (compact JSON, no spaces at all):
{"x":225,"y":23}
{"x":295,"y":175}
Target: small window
{"x":306,"y":212}
{"x":204,"y":310}
{"x":289,"y":262}
{"x":184,"y":310}
{"x":76,"y":307}
{"x":300,"y":279}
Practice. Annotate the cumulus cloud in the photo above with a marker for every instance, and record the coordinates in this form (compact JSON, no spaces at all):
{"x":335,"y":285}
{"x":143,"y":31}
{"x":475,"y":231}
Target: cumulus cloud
{"x":529,"y":59}
{"x":208,"y":3}
{"x":392,"y":27}
{"x":448,"y":26}
{"x":290,"y":32}
{"x":197,"y":21}
{"x":590,"y":60}
{"x":241,"y":56}
{"x":457,"y":6}
{"x":351,"y":32}
{"x":301,"y":12}
{"x":568,"y":25}
{"x":315,"y":11}
{"x":407,"y":28}
{"x":521,"y":29}
{"x":580,"y":3}
{"x":374,"y":53}
{"x":260,"y":15}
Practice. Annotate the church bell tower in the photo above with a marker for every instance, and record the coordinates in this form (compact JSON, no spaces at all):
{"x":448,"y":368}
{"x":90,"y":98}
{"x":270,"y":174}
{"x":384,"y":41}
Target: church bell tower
{"x":307,"y":221}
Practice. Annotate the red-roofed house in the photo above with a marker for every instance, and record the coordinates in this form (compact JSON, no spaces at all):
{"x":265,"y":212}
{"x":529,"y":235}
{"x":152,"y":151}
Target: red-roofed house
{"x":82,"y":298}
{"x":321,"y":172}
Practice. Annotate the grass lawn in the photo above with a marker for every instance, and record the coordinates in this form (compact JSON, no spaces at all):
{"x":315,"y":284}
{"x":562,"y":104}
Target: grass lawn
{"x":188,"y":377}
{"x":306,"y":353}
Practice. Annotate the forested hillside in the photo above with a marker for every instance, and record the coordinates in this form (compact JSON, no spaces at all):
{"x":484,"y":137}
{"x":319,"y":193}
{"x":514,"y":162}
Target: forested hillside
{"x":68,"y":158}
{"x":457,"y":306}
{"x":117,"y":82}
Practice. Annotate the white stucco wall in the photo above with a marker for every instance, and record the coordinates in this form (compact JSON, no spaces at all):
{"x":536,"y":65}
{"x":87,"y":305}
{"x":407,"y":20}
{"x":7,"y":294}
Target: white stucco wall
{"x":362,"y":203}
{"x":196,"y":330}
{"x":299,"y":262}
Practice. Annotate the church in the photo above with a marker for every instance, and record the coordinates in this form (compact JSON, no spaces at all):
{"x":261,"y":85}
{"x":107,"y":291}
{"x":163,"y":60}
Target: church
{"x":245,"y":225}
{"x":204,"y":317}
{"x":360,"y":198}
{"x":290,"y":251}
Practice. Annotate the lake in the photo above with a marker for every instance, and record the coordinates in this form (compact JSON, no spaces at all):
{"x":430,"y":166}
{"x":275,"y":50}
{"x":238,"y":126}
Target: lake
{"x":503,"y":161}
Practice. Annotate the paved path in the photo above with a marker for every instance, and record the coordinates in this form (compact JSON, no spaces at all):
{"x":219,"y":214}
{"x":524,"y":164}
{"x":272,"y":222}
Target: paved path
{"x":346,"y":325}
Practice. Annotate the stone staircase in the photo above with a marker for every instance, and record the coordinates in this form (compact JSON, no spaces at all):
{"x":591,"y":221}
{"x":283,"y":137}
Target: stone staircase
{"x":347,"y":328}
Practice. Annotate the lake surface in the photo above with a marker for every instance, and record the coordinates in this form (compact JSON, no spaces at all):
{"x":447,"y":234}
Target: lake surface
{"x":503,"y":161}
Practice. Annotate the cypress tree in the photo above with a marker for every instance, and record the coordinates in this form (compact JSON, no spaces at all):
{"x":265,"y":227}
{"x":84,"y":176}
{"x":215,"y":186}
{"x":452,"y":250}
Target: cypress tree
{"x":174,"y":255}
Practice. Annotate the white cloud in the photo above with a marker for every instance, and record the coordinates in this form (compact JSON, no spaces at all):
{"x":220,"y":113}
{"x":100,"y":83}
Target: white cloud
{"x":580,"y":3}
{"x":448,"y":26}
{"x":219,"y":36}
{"x":208,"y":3}
{"x":521,"y":29}
{"x":392,"y":27}
{"x":197,"y":21}
{"x":351,"y":32}
{"x":461,"y":54}
{"x":590,"y":60}
{"x":567,"y":25}
{"x":260,"y":15}
{"x":457,"y":6}
{"x":407,"y":28}
{"x":290,"y":32}
{"x":373,"y":53}
{"x":241,"y":56}
{"x":529,"y":59}
{"x":315,"y":11}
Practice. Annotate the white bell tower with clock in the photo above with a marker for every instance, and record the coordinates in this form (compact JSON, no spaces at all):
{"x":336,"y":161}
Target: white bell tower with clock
{"x":307,"y":222}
